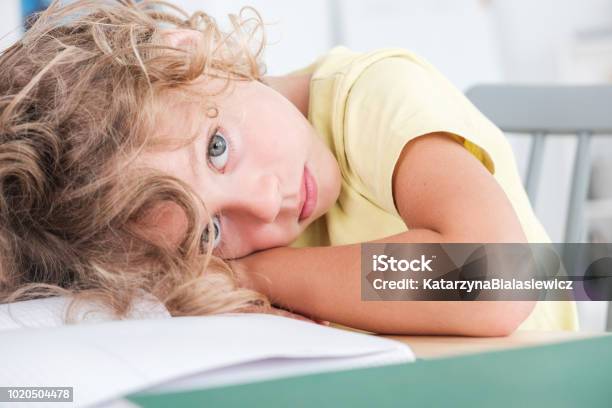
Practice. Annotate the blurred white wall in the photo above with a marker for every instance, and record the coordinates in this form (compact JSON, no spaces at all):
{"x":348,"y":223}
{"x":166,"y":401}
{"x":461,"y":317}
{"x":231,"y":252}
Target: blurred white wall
{"x":535,"y":35}
{"x":456,"y":36}
{"x":10,"y":22}
{"x":297,"y":32}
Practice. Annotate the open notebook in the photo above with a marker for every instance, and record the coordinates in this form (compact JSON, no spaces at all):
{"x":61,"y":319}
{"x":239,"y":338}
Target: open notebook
{"x":109,"y":359}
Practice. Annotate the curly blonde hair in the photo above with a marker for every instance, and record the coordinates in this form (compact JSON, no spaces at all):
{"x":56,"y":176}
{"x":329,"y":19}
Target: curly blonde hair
{"x":77,"y":96}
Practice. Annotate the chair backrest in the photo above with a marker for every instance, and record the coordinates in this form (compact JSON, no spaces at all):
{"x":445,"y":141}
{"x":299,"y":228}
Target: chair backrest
{"x":546,"y":109}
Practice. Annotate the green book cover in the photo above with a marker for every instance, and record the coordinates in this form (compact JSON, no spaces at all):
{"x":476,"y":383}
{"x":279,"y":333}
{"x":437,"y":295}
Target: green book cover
{"x":569,"y":374}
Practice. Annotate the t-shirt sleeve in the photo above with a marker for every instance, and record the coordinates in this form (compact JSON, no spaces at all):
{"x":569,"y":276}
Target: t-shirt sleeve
{"x":395,"y":100}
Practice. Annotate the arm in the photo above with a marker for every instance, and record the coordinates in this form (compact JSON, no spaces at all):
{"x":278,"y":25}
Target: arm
{"x":436,"y":203}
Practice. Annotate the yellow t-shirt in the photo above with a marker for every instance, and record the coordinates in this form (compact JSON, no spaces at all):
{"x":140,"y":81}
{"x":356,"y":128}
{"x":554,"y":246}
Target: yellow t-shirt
{"x":366,"y":107}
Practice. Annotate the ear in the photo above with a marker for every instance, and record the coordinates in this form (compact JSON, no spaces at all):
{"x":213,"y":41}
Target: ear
{"x":180,"y":37}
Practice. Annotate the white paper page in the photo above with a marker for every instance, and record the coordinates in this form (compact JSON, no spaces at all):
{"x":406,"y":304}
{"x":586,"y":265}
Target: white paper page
{"x":107,"y":360}
{"x":49,"y":312}
{"x":280,"y":367}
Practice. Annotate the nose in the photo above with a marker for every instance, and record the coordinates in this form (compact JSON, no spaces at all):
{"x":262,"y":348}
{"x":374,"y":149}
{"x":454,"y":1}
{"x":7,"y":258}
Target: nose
{"x":258,"y":195}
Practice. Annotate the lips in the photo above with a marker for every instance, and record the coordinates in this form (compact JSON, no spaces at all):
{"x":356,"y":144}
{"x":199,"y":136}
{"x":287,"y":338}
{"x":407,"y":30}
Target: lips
{"x":308,"y":194}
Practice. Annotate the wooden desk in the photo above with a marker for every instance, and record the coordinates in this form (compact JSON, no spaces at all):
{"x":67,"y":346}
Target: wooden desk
{"x":428,"y":347}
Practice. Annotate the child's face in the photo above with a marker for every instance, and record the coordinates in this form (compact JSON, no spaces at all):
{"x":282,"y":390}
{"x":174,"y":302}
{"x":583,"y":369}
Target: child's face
{"x":251,"y":173}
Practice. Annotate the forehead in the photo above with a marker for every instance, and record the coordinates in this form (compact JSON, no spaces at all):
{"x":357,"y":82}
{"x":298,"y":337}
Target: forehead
{"x":180,"y":113}
{"x":178,"y":119}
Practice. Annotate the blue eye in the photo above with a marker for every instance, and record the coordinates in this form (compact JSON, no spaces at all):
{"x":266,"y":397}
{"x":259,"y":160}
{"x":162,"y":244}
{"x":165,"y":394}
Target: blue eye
{"x":205,"y":234}
{"x":218,"y":150}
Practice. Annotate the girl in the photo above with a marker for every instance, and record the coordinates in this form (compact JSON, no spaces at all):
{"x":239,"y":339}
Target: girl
{"x":143,"y":149}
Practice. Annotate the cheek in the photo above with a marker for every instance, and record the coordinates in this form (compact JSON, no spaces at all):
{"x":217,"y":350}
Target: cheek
{"x":254,"y":237}
{"x":273,"y":235}
{"x":280,"y":129}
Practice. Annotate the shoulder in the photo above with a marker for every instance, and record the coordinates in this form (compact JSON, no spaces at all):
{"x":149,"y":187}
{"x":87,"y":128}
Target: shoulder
{"x":348,"y":66}
{"x":388,"y":80}
{"x":343,"y":67}
{"x":397,"y":75}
